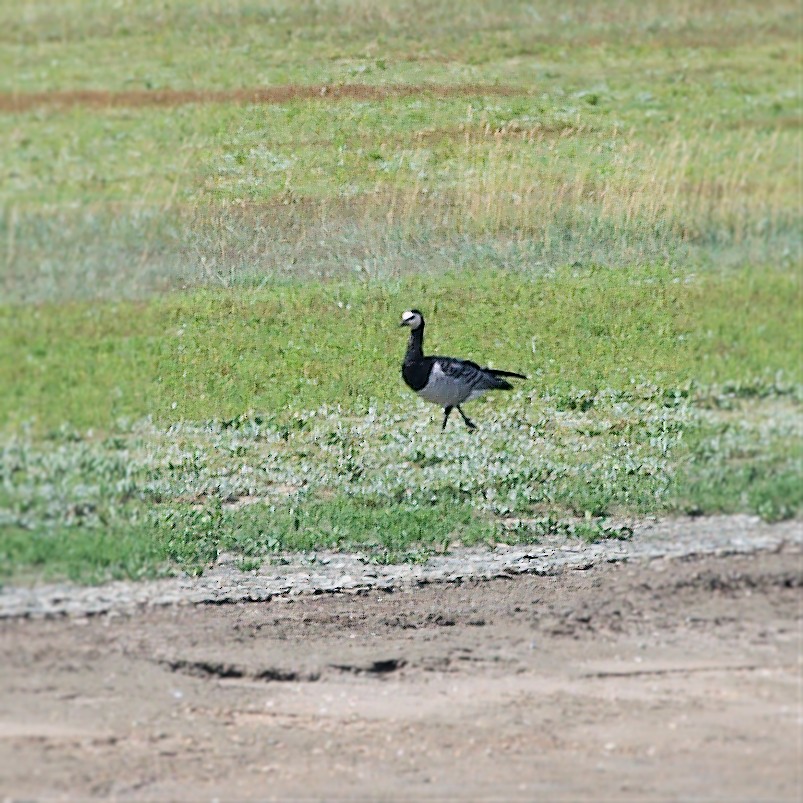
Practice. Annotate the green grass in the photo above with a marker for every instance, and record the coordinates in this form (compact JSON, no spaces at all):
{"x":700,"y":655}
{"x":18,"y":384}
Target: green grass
{"x":199,"y":301}
{"x":217,"y":354}
{"x":640,"y":133}
{"x":311,"y":149}
{"x":192,"y":538}
{"x":183,"y":44}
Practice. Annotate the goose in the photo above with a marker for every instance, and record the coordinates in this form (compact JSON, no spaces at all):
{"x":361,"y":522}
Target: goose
{"x":446,"y":381}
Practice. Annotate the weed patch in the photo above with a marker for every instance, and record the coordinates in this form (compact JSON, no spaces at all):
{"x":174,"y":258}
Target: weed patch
{"x":154,"y":500}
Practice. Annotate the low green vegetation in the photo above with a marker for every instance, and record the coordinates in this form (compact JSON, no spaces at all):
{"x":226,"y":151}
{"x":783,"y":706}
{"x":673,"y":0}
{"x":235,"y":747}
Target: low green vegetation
{"x":150,"y":500}
{"x":152,"y":44}
{"x":284,"y":349}
{"x":200,"y":291}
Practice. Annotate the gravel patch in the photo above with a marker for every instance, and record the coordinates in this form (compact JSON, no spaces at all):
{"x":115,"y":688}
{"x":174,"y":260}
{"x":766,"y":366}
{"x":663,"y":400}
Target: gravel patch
{"x":334,"y":572}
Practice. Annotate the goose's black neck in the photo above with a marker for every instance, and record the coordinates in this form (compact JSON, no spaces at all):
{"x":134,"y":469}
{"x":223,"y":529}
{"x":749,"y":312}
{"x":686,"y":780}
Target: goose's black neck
{"x":415,"y":345}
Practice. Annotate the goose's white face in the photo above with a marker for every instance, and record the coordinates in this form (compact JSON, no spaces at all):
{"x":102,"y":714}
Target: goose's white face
{"x":411,"y":318}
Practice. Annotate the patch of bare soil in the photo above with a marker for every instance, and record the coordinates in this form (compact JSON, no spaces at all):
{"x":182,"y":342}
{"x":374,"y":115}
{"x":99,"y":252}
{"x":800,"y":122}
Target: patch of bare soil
{"x":136,"y":98}
{"x":646,"y":680}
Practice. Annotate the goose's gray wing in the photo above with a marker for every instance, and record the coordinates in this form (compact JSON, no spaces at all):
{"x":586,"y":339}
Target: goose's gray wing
{"x":470,"y":374}
{"x":452,"y":382}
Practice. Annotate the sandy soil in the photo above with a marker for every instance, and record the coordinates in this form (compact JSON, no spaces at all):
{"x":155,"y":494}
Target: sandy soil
{"x":652,"y":680}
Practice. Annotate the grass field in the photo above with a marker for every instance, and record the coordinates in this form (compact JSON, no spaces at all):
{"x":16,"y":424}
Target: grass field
{"x":212,"y":216}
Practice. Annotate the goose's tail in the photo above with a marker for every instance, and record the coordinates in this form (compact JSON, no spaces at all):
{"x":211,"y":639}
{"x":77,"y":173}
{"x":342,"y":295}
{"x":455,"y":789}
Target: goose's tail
{"x":495,"y":376}
{"x":495,"y":372}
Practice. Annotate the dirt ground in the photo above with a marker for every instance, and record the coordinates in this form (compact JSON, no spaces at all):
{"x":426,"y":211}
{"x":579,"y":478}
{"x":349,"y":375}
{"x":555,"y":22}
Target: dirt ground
{"x":662,"y":680}
{"x":17,"y":102}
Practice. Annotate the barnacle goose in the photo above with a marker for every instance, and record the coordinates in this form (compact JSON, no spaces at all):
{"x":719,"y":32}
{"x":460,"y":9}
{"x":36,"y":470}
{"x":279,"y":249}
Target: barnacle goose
{"x":446,"y":381}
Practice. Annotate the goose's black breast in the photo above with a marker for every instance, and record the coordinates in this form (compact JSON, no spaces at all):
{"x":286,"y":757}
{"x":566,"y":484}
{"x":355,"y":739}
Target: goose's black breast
{"x":416,"y":373}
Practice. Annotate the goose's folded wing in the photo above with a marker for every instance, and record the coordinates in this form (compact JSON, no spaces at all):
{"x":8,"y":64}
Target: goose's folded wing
{"x":470,"y":374}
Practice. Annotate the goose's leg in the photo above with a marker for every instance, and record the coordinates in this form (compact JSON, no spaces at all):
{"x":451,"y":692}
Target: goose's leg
{"x":469,"y":423}
{"x":446,"y":411}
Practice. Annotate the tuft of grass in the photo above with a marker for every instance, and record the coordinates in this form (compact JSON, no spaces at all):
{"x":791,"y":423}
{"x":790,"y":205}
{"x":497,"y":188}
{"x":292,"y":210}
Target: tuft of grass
{"x":589,"y":529}
{"x":83,"y":555}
